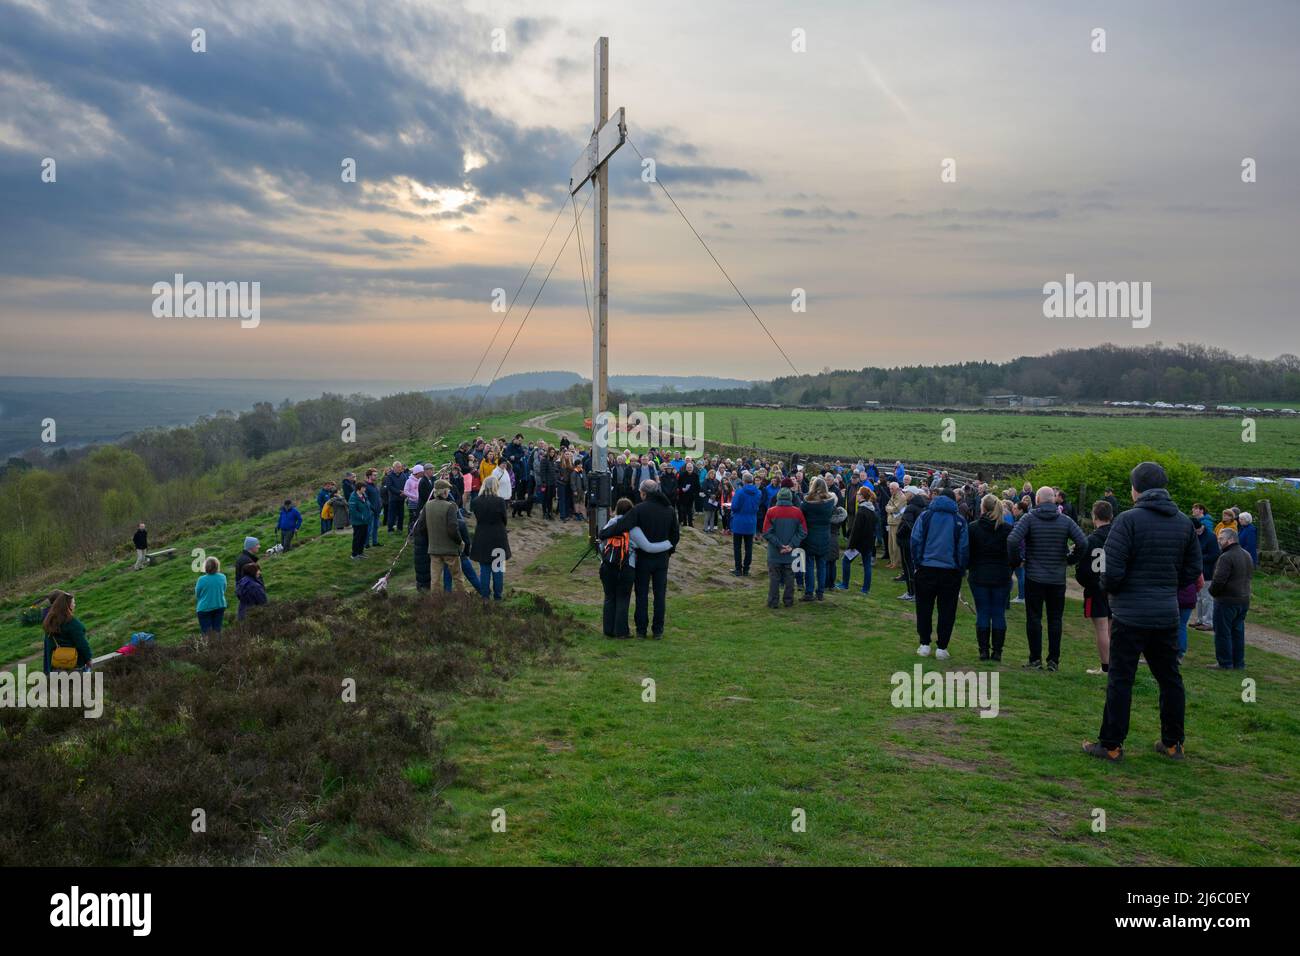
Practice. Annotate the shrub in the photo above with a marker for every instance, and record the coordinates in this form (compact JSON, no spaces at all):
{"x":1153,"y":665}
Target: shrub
{"x":251,"y":727}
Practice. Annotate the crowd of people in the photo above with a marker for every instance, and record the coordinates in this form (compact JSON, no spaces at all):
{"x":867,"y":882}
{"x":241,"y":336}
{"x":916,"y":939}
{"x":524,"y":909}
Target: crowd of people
{"x":1148,"y":572}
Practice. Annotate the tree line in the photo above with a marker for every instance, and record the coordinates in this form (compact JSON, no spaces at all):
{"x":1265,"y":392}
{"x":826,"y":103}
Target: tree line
{"x":1183,"y":373}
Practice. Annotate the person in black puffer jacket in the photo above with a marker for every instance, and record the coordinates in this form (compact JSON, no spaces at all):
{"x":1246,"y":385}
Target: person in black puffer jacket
{"x":918,"y":499}
{"x":1151,"y":552}
{"x":990,"y":577}
{"x":1047,"y":534}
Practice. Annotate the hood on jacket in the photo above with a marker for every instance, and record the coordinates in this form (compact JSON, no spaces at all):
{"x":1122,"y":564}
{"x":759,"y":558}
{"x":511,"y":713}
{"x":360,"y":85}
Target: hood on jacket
{"x":1157,"y":500}
{"x":943,"y":503}
{"x":1048,"y":511}
{"x":659,"y":498}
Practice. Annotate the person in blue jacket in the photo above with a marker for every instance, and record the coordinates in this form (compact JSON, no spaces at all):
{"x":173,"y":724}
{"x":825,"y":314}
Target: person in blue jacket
{"x":900,"y":473}
{"x":940,"y":553}
{"x":744,"y":523}
{"x":1248,"y":536}
{"x":289,"y":523}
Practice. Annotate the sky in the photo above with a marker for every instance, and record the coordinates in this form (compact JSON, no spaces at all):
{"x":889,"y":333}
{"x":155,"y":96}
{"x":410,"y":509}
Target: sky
{"x":804,"y":141}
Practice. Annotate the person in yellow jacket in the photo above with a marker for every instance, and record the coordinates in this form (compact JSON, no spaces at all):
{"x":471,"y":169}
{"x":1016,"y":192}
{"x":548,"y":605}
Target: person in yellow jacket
{"x":1229,"y":521}
{"x":487,"y":465}
{"x":893,"y":516}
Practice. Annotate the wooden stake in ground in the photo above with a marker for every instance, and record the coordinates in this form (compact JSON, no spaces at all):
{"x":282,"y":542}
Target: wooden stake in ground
{"x":607,"y":135}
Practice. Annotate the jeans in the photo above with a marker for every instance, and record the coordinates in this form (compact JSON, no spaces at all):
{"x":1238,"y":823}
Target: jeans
{"x":1230,"y":634}
{"x":466,"y":567}
{"x":374,"y":530}
{"x":286,"y":538}
{"x":940,"y":586}
{"x":814,"y":579}
{"x":359,"y":533}
{"x":846,"y":571}
{"x":326,"y":525}
{"x":748,"y":547}
{"x":990,"y":606}
{"x":1184,"y":615}
{"x":1020,"y":583}
{"x":211,"y":620}
{"x":396,"y":512}
{"x":1036,"y":595}
{"x":565,"y":507}
{"x":710,"y":518}
{"x":1160,"y":647}
{"x":490,"y":581}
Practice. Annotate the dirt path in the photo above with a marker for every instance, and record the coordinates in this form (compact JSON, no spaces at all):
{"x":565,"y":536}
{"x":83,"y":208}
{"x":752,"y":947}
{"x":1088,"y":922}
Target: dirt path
{"x":543,"y":423}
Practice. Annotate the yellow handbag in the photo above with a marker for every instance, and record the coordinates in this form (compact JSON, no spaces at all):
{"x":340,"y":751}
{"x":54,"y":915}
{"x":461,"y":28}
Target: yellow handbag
{"x":62,"y":658}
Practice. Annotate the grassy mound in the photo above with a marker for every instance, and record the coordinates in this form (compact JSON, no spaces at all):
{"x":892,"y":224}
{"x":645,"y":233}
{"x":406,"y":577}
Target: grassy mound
{"x":253,"y":728}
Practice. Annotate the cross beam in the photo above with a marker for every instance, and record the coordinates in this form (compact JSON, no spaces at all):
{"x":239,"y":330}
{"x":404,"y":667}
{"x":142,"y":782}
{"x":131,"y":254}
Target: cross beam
{"x":607,"y":135}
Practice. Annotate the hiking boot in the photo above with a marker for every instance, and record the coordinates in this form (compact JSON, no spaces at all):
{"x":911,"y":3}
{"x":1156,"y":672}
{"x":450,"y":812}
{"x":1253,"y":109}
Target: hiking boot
{"x":809,"y":596}
{"x":821,"y":596}
{"x":995,"y":658}
{"x":1034,"y":666}
{"x":735,"y":572}
{"x":772,"y":605}
{"x":984,"y":656}
{"x":1108,"y":754}
{"x":1173,"y":753}
{"x":1053,"y":666}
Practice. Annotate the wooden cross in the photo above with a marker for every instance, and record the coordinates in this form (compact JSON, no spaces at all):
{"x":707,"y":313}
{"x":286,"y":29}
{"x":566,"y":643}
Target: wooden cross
{"x":607,"y":135}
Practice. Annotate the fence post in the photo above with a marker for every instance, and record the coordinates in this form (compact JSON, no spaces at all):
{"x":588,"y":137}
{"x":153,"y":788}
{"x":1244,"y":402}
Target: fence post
{"x":1267,"y":530}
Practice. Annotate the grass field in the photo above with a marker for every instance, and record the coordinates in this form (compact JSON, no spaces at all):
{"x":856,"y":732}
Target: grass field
{"x":1009,"y":438}
{"x":760,"y":714}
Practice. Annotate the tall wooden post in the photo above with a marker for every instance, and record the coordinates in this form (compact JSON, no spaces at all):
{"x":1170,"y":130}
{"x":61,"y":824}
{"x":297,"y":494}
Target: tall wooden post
{"x":600,"y":250}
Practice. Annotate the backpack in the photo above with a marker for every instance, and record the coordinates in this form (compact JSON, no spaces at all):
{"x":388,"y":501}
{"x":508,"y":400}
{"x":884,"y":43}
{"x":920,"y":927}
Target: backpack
{"x":62,"y":658}
{"x":615,"y":549}
{"x":958,"y":522}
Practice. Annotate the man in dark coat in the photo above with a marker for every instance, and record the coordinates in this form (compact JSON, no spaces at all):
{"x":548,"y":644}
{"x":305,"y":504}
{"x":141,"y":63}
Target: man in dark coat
{"x":1151,"y":553}
{"x":1231,"y":589}
{"x":657,"y":519}
{"x":1046,"y":533}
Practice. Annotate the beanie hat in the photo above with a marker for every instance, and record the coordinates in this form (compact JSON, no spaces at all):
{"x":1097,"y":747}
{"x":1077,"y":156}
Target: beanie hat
{"x":784,"y":496}
{"x":1148,"y":475}
{"x":250,"y":542}
{"x":442,"y":484}
{"x":417,"y":470}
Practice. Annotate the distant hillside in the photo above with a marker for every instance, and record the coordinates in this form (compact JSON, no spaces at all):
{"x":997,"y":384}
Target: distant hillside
{"x":560,"y":381}
{"x":89,"y":410}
